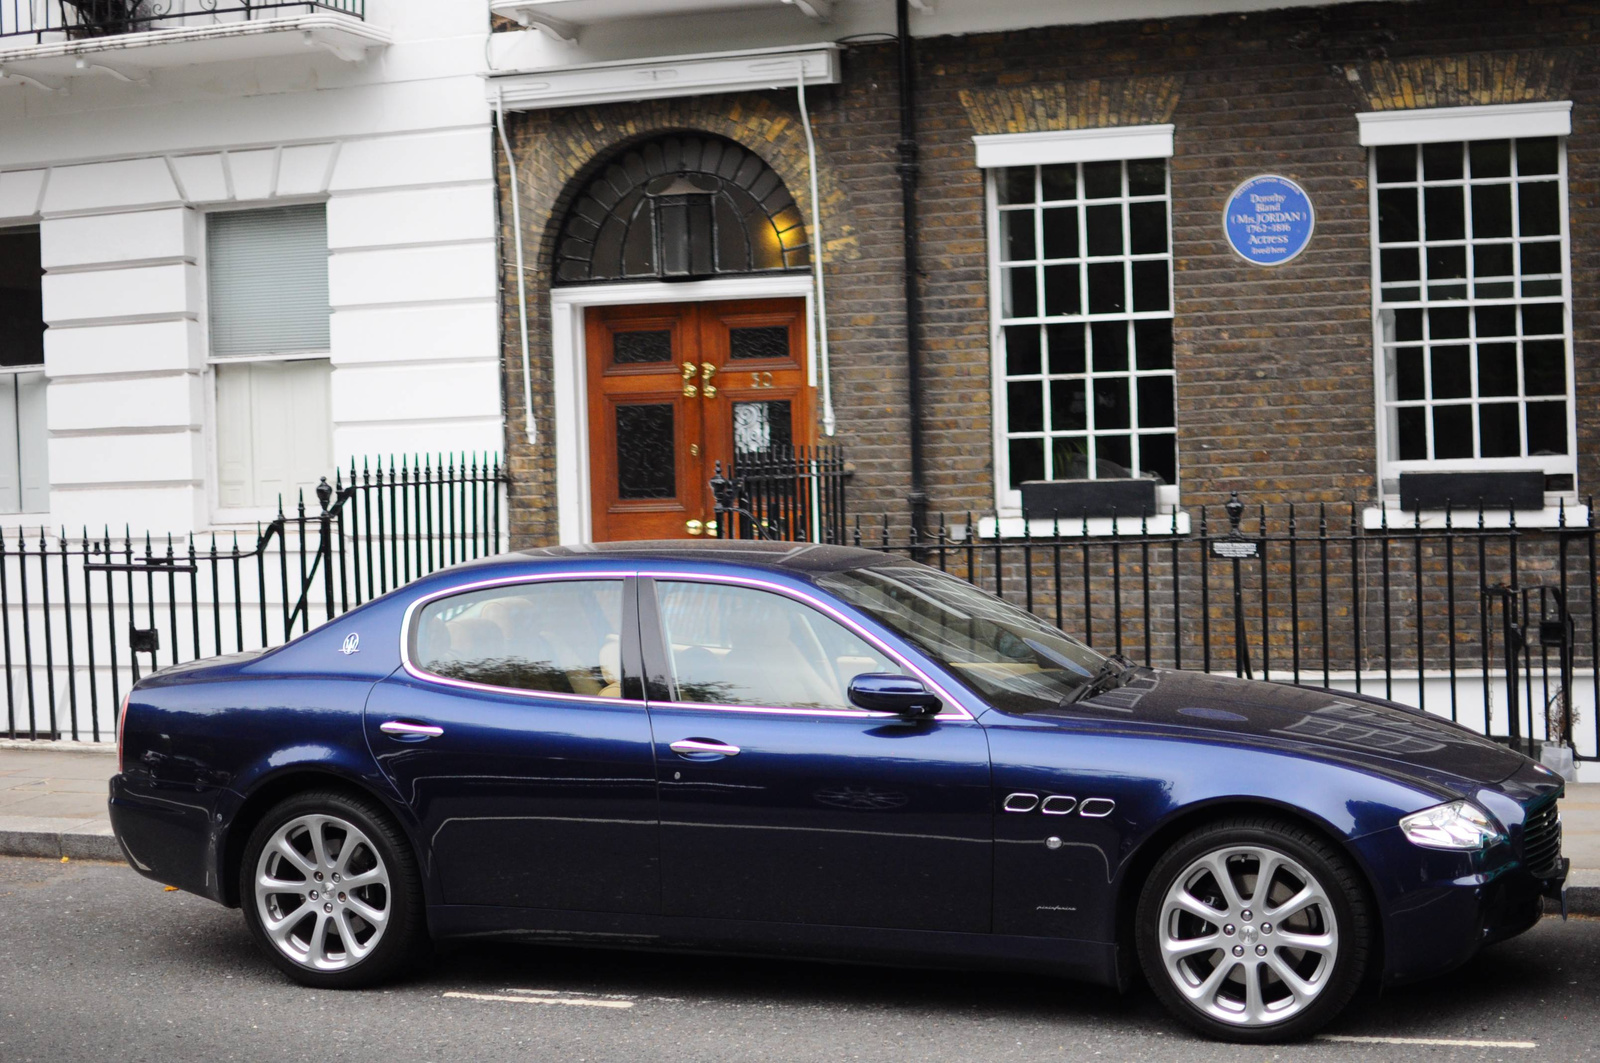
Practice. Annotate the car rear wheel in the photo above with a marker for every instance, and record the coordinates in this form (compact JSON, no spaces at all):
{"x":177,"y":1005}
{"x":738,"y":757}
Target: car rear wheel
{"x":331,"y":891}
{"x":1254,"y":930}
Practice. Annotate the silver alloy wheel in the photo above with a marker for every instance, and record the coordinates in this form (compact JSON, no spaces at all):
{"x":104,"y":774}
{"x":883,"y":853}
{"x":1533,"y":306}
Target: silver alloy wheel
{"x":1248,"y":935}
{"x":322,"y":892}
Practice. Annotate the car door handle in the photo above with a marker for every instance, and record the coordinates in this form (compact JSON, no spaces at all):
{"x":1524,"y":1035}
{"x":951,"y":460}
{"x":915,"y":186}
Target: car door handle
{"x":406,"y":729}
{"x":688,"y":747}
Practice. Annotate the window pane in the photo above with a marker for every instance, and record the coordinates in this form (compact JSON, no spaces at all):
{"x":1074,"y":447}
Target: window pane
{"x":1541,"y":258}
{"x":1113,"y":456}
{"x":1060,"y":182}
{"x":646,"y":452}
{"x":1104,"y":226}
{"x":1061,"y":290}
{"x":1446,"y":220}
{"x":738,"y":646}
{"x":559,"y":636}
{"x":1491,"y":211}
{"x":1111,"y":403}
{"x":1022,"y":349}
{"x":1413,"y":430}
{"x":1106,"y":294}
{"x":1102,"y":180}
{"x":1061,"y":232}
{"x":1497,"y":371}
{"x":1547,"y":428}
{"x":1159,"y":455}
{"x":1024,"y":406}
{"x":1154,"y":342}
{"x":1441,"y":162}
{"x":1542,"y":319}
{"x":1066,"y":348}
{"x":1027,"y":461}
{"x":1537,"y":156}
{"x":1399,"y":264}
{"x":1147,"y":224}
{"x":1492,"y":260}
{"x":1020,"y":294}
{"x":1110,"y":346}
{"x":1150,"y":286}
{"x":1017,"y":235}
{"x":1452,"y":431}
{"x":1544,"y":367}
{"x":1155,"y":402}
{"x":1069,"y":410}
{"x":1447,"y":324}
{"x":1539,"y":208}
{"x":1500,"y":430}
{"x":1410,"y":380}
{"x":1397,"y":215}
{"x":632,"y":348}
{"x":267,"y":279}
{"x":1147,"y":177}
{"x":1496,"y":321}
{"x":1491,"y":158}
{"x":1452,"y":373}
{"x":1016,"y":184}
{"x":1396,"y":163}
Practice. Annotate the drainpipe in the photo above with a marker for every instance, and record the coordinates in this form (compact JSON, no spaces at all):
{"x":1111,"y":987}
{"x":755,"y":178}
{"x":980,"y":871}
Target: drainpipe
{"x":909,"y":168}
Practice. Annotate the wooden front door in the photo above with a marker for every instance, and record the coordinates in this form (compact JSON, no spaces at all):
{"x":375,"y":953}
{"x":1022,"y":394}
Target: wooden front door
{"x":675,"y":388}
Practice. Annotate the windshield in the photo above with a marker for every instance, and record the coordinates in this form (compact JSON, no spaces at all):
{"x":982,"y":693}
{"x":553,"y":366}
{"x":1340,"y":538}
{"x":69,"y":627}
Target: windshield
{"x":1006,"y":655}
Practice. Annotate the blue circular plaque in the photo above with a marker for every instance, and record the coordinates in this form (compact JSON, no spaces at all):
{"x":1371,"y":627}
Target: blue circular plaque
{"x":1268,"y":220}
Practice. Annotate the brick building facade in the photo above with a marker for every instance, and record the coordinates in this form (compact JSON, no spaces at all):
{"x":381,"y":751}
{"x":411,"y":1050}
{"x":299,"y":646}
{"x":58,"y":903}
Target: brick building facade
{"x":1272,"y":369}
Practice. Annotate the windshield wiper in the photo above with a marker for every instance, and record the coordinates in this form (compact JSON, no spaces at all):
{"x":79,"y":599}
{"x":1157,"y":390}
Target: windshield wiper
{"x":1113,"y":667}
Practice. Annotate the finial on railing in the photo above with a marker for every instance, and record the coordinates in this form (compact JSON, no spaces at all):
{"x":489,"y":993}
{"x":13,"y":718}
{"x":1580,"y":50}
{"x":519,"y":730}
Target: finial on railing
{"x":324,"y":494}
{"x":1235,"y":510}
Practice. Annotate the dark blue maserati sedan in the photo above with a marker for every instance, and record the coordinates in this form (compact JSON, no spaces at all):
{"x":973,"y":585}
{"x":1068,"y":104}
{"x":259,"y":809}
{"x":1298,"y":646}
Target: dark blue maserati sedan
{"x":820,"y":751}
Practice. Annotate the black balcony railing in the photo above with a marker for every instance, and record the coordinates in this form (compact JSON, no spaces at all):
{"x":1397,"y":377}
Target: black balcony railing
{"x":48,"y":21}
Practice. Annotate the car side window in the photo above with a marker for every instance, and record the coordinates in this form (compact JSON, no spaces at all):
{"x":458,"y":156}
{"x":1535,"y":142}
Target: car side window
{"x":739,"y":646}
{"x":561,"y":636}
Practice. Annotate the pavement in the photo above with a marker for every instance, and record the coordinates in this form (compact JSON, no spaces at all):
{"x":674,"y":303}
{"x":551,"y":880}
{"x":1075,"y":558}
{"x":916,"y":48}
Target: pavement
{"x":99,"y":964}
{"x":53,"y":804}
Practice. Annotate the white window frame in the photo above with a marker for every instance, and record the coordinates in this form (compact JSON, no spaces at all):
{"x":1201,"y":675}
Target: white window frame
{"x":16,"y":371}
{"x":1466,"y":124}
{"x":242,"y":516}
{"x":1005,"y":150}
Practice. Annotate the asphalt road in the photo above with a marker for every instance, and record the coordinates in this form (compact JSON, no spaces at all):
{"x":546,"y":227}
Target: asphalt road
{"x":97,"y":963}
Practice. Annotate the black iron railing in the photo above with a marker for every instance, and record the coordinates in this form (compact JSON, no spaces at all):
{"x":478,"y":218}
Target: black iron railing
{"x":82,"y":618}
{"x":1468,"y":614}
{"x":56,"y":20}
{"x":793,"y":494}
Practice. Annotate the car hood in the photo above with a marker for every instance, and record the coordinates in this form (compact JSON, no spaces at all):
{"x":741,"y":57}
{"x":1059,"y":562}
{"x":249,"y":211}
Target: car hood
{"x":1353,"y":728}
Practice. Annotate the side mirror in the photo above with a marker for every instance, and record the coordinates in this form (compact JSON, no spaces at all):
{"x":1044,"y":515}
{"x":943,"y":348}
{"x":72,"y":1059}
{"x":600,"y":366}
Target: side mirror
{"x":902,"y":695}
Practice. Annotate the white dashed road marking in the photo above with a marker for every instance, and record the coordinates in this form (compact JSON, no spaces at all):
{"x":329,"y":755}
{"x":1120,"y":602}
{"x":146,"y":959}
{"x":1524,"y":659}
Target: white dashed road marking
{"x":1440,"y":1041}
{"x":544,"y":996}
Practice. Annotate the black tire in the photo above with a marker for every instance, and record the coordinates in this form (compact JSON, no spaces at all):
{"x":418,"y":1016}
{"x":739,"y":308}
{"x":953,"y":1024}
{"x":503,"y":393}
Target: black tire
{"x":1345,"y":903}
{"x":402,"y":939}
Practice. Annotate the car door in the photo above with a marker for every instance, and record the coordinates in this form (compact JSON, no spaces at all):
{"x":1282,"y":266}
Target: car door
{"x":780,"y":801}
{"x":516,"y":732}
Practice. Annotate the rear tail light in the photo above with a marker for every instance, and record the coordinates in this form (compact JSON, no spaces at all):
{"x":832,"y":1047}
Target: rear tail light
{"x":122,"y":723}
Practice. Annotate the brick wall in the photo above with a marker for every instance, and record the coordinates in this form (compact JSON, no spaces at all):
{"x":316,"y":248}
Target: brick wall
{"x":1274,"y":367}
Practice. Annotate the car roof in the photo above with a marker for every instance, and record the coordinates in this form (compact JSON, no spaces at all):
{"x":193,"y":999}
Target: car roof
{"x":797,"y":558}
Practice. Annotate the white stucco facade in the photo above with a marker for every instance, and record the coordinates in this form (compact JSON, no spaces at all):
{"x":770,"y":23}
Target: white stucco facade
{"x":119,"y":156}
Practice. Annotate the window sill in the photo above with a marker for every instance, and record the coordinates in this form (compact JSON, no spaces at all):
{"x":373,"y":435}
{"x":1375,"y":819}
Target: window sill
{"x":1004,"y":527}
{"x":1392,"y":517}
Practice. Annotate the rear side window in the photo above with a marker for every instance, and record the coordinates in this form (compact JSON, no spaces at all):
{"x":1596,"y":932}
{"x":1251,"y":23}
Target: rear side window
{"x":559,"y":636}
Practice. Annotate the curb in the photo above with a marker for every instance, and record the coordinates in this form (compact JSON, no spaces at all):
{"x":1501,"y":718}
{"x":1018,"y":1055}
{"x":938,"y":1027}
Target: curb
{"x":74,"y":845}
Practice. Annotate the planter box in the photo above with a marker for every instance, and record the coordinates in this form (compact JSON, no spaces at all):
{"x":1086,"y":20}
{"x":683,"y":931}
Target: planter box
{"x":1075,"y":499}
{"x":1471,"y":490}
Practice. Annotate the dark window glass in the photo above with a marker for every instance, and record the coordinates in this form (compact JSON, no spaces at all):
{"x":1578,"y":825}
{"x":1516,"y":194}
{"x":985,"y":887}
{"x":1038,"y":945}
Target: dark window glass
{"x":1111,"y":403}
{"x":1104,"y":227}
{"x":1158,"y":454}
{"x":1452,"y":373}
{"x":1154,"y":342}
{"x":1066,"y":348}
{"x":1147,"y":225}
{"x":1410,"y":381}
{"x":1016,"y":185}
{"x":1491,"y":158}
{"x":1447,"y":323}
{"x":1110,"y":346}
{"x":1544,"y":368}
{"x":1106,"y":295}
{"x":758,"y":341}
{"x":1441,"y":162}
{"x":1150,"y":290}
{"x":1413,"y":430}
{"x":1492,"y":260}
{"x":1016,"y":227}
{"x":759,"y":427}
{"x":1537,"y":156}
{"x":1059,"y":182}
{"x":1061,"y":232}
{"x":559,"y":636}
{"x":1491,"y":211}
{"x":1113,"y":456}
{"x":630,"y":348}
{"x":1447,"y":263}
{"x":1397,"y":215}
{"x":1155,"y":402}
{"x":1547,"y":428}
{"x":1022,"y":350}
{"x":1542,"y":319}
{"x":1027,"y":460}
{"x":1061,"y":292}
{"x":739,"y":646}
{"x":1541,"y":258}
{"x":1399,"y":264}
{"x":1102,"y":180}
{"x":1069,"y":411}
{"x":1407,"y":325}
{"x":1500,"y":429}
{"x":1024,"y":406}
{"x":646,"y":452}
{"x":1496,"y":321}
{"x":1539,"y":209}
{"x":1452,"y":431}
{"x":1147,"y":177}
{"x":1021,"y":297}
{"x":1396,"y":163}
{"x":1446,"y":220}
{"x":1497,"y":371}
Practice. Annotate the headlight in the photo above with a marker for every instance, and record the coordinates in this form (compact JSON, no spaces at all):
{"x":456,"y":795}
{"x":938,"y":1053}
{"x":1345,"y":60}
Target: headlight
{"x":1457,"y":825}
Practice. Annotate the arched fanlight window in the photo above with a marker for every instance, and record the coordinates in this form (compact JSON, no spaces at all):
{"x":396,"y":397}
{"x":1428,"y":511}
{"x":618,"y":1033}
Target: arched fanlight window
{"x":679,"y":207}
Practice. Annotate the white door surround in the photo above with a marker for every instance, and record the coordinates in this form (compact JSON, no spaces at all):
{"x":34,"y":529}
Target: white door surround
{"x":569,"y":364}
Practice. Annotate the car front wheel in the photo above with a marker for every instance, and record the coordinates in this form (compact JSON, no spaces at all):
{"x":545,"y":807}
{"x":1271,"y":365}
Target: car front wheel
{"x":1254,"y":930}
{"x":331,"y":892}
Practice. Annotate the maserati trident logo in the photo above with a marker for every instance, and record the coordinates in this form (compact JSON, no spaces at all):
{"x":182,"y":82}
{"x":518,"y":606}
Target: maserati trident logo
{"x":352,"y":644}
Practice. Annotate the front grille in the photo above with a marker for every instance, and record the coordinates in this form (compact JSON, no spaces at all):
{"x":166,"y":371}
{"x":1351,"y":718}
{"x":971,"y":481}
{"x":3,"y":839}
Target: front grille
{"x":1541,"y":840}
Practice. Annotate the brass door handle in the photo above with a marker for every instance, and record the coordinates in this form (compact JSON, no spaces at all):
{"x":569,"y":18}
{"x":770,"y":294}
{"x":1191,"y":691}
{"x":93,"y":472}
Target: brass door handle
{"x":707,"y":371}
{"x":693,"y":527}
{"x":689,"y":390}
